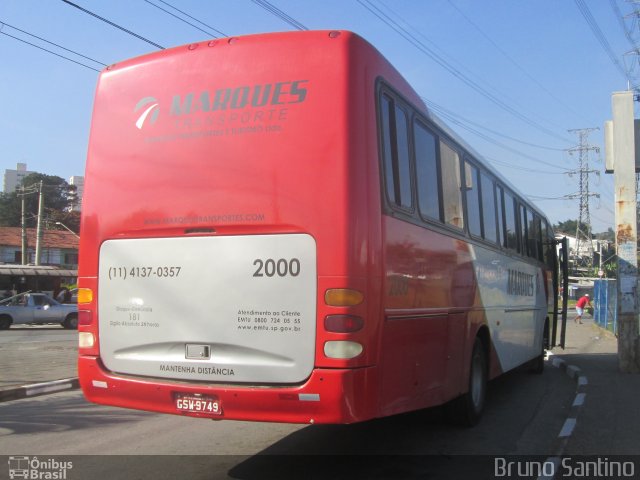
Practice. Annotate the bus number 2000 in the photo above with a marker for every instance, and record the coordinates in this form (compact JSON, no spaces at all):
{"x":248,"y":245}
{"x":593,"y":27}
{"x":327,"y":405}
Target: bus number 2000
{"x":280,"y":267}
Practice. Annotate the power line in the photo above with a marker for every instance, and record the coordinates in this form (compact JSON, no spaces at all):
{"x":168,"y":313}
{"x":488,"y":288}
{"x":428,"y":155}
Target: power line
{"x":453,"y":120}
{"x":280,"y":14}
{"x":113,"y":24}
{"x":537,"y":197}
{"x":443,"y":110}
{"x":409,"y":37}
{"x":51,"y":43}
{"x":187,"y":15}
{"x":604,"y":43}
{"x":512,"y":60}
{"x":524,"y":169}
{"x":623,"y":26}
{"x":628,"y":33}
{"x":48,"y":51}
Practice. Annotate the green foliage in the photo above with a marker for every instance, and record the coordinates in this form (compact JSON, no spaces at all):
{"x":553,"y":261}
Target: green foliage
{"x":59,"y":198}
{"x":569,"y":227}
{"x":609,"y":263}
{"x":609,"y":235}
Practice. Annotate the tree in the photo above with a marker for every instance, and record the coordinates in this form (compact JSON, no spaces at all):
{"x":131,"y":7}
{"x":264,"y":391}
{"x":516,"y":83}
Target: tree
{"x":609,"y":235}
{"x":70,"y":219}
{"x":59,"y":200}
{"x":568,"y":227}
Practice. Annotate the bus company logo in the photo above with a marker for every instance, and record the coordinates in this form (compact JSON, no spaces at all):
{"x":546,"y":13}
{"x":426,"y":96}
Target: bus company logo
{"x":152,"y":111}
{"x":34,"y":468}
{"x":520,"y":284}
{"x":268,"y":97}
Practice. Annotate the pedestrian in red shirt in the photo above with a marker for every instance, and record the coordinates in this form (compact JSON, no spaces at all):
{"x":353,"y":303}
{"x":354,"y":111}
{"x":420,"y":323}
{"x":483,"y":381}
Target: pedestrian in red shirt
{"x":580,"y":304}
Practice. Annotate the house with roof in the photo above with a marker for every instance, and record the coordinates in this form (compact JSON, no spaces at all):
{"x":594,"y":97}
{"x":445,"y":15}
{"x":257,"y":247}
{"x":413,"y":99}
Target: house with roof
{"x":58,"y":260}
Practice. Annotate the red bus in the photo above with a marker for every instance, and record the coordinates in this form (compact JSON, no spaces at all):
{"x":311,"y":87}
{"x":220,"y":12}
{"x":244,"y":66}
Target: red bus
{"x":275,"y":228}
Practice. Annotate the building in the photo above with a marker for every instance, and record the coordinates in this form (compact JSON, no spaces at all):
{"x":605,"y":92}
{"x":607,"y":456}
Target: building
{"x":587,"y":249}
{"x":58,"y":260}
{"x":13,"y":178}
{"x":78,"y":182}
{"x":58,"y":248}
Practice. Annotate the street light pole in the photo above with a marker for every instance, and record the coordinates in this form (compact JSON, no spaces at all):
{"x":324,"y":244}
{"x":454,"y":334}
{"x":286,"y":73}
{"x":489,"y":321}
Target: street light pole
{"x":68,"y":229}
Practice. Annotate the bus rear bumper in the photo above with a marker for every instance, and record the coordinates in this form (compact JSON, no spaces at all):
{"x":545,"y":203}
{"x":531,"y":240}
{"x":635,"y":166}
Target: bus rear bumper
{"x":328,"y":396}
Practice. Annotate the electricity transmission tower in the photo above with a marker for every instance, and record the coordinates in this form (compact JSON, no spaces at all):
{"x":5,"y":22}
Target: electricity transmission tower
{"x":584,"y":240}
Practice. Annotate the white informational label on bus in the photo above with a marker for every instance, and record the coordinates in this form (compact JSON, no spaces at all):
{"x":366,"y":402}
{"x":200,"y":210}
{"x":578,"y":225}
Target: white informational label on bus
{"x":220,"y":309}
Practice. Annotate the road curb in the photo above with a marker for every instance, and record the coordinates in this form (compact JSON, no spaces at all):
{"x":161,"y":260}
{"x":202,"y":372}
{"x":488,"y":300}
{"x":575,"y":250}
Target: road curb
{"x":576,"y":374}
{"x":37,"y":389}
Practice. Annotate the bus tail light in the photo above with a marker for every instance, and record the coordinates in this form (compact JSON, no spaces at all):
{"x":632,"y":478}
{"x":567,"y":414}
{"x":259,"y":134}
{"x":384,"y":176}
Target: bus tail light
{"x":342,"y":349}
{"x":86,"y":340}
{"x":85,"y":317}
{"x":85,"y":295}
{"x":343,"y":323}
{"x":343,"y":297}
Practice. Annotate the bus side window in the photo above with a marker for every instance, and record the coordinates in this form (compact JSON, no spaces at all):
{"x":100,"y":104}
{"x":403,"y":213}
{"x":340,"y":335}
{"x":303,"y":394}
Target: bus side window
{"x":451,"y":191}
{"x":501,"y":227}
{"x":524,"y":244}
{"x":488,"y":208}
{"x":472,"y":197}
{"x":532,"y":232}
{"x":511,"y":234}
{"x":539,"y":238}
{"x":395,"y":139}
{"x":427,"y":172}
{"x":548,"y":245}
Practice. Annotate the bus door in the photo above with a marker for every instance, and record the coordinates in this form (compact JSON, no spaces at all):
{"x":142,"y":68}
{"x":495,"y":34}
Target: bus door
{"x":560,"y":289}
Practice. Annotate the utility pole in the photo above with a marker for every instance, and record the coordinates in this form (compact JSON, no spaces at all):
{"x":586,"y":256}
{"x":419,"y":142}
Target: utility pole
{"x":583,"y":228}
{"x":624,"y":155}
{"x":23,"y":192}
{"x":39,"y":225}
{"x":23,"y":227}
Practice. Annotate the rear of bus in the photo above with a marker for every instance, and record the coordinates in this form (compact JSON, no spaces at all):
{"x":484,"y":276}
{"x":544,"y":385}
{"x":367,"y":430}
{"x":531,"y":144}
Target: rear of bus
{"x":229,"y":265}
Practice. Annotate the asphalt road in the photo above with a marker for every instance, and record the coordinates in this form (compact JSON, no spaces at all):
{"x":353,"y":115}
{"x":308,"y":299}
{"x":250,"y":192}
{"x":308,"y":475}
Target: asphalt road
{"x":34,"y":354}
{"x":37,"y":334}
{"x":525,"y":412}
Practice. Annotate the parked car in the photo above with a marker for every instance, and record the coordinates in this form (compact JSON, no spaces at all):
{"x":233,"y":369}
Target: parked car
{"x":36,"y":308}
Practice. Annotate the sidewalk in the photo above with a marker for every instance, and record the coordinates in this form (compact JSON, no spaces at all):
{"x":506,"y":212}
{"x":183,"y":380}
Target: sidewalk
{"x":36,"y":368}
{"x":608,"y":422}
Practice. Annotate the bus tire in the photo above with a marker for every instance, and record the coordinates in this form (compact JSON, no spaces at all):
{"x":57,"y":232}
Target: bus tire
{"x":5,"y":322}
{"x":71,"y":322}
{"x":467,"y":409}
{"x":537,"y":364}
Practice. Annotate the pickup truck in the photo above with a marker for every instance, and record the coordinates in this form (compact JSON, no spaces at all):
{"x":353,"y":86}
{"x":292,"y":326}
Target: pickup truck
{"x":36,"y":308}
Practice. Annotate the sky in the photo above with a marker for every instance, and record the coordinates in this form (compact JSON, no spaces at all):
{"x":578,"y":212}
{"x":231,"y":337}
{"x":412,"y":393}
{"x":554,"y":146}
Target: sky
{"x":514,"y":78}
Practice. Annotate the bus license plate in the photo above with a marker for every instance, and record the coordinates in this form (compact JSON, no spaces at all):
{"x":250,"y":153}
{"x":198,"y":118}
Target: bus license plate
{"x":198,"y":404}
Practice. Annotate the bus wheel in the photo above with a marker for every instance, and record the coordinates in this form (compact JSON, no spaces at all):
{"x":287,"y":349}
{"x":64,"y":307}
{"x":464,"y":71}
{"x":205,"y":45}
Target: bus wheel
{"x":467,"y":409}
{"x":537,"y":364}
